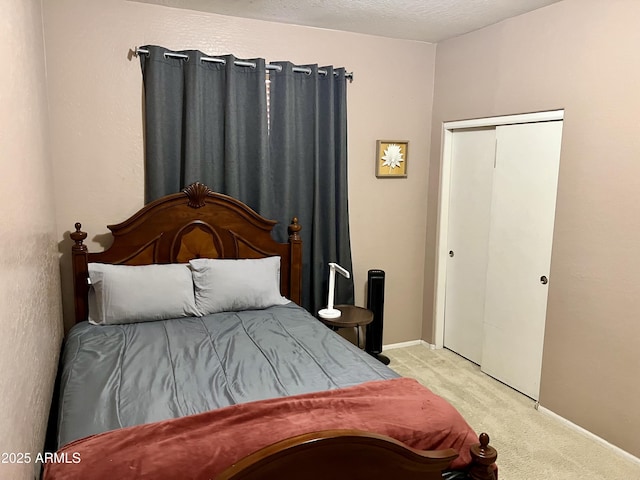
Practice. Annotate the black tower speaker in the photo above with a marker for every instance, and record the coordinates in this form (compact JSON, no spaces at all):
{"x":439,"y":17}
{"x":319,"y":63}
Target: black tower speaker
{"x":375,"y":303}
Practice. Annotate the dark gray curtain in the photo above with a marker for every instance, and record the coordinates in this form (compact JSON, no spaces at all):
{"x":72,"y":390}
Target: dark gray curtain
{"x":206,"y":122}
{"x":308,"y":151}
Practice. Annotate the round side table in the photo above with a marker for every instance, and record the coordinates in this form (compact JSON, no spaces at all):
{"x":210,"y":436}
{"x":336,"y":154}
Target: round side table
{"x":352,"y":316}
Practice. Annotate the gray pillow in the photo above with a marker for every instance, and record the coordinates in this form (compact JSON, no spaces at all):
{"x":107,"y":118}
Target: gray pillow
{"x":130,"y":294}
{"x":232,"y":285}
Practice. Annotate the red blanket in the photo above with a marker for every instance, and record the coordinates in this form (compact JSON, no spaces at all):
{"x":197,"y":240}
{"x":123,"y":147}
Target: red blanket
{"x":201,"y":446}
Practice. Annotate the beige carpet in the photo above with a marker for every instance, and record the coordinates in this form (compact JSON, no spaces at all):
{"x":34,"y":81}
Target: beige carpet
{"x":530,"y":444}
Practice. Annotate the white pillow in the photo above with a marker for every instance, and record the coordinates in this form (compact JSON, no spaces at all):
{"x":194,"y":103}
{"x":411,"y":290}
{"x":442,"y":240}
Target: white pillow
{"x":129,"y":294}
{"x":232,"y":285}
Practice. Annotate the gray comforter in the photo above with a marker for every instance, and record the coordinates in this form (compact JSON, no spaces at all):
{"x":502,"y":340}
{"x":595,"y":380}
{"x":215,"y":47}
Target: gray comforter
{"x":124,"y":375}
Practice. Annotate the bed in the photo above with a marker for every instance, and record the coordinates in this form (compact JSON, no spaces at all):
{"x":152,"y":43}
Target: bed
{"x":236,"y":381}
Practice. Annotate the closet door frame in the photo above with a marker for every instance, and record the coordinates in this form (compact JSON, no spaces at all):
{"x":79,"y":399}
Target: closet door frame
{"x":443,"y":208}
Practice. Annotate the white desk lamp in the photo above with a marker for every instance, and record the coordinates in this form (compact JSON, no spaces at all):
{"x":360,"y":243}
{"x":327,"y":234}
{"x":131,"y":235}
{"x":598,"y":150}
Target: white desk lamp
{"x":331,"y":312}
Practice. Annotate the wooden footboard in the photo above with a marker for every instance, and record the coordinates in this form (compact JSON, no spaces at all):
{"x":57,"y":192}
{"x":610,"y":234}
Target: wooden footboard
{"x":352,"y":455}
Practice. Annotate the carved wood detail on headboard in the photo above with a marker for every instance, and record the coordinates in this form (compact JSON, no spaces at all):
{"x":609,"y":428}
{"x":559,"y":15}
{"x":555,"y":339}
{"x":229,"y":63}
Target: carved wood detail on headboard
{"x":195,"y":223}
{"x":145,"y":254}
{"x":244,"y":248}
{"x":197,"y":194}
{"x":196,"y":240}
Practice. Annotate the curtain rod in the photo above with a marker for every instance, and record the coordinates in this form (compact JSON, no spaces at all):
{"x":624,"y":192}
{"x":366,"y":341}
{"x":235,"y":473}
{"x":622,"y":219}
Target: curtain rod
{"x":240,"y":63}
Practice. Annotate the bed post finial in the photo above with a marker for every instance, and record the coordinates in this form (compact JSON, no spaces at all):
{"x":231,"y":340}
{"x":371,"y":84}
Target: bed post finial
{"x":196,"y":193}
{"x":483,"y":457}
{"x":78,"y":236}
{"x":294,"y":229}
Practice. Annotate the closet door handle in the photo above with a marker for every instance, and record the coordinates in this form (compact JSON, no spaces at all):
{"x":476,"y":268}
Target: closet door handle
{"x":451,"y":254}
{"x":544,"y":280}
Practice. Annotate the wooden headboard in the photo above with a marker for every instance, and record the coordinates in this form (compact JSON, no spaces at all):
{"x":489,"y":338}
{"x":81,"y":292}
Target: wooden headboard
{"x":195,"y":223}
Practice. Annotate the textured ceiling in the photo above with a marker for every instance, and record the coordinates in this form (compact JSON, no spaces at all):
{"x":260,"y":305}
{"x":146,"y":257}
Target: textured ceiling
{"x":424,"y":20}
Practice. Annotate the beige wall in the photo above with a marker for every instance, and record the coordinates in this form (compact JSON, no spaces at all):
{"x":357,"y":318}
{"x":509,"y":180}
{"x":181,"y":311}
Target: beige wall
{"x":580,"y":55}
{"x":96,"y":126}
{"x":577,"y":55}
{"x":30,"y":314}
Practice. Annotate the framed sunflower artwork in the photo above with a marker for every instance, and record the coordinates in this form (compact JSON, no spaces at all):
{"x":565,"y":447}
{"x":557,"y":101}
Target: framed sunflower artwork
{"x":391,"y":158}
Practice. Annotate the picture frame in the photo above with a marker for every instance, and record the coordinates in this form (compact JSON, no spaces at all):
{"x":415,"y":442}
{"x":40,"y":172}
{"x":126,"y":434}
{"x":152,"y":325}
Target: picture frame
{"x":391,"y":158}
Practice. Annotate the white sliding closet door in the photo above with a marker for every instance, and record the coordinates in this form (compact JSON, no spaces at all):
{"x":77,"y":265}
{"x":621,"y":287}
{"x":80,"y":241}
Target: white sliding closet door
{"x":472,"y":159}
{"x":522,"y":219}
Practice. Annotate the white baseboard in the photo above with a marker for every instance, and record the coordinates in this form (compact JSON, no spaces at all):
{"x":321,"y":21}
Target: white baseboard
{"x":410,"y":343}
{"x":590,"y":435}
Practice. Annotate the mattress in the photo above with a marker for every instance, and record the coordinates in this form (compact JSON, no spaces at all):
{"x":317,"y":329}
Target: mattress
{"x":124,"y":375}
